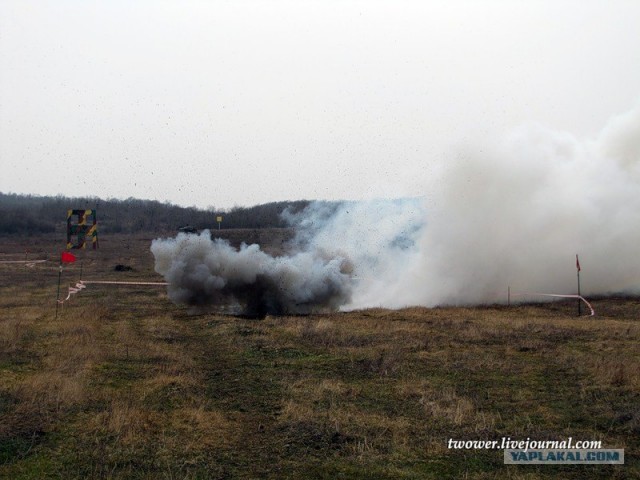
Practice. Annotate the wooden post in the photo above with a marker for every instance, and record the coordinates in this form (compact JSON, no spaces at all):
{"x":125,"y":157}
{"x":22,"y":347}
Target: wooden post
{"x":579,"y":300}
{"x":58,"y":295}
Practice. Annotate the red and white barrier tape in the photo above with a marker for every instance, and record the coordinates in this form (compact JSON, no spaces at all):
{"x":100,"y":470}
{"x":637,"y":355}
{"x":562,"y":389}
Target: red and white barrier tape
{"x":28,"y":263}
{"x":82,"y":284}
{"x":522,"y":294}
{"x":107,"y":282}
{"x":73,"y":290}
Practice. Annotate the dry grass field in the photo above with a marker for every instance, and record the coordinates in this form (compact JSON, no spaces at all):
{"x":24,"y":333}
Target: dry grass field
{"x":124,"y":384}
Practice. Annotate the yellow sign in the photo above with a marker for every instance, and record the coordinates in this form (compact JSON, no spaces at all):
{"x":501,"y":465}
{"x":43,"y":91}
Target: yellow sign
{"x":218,"y":219}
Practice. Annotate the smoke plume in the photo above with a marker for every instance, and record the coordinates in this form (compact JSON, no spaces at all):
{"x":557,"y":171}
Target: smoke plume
{"x":202,"y":272}
{"x":516,"y":214}
{"x":512,"y":212}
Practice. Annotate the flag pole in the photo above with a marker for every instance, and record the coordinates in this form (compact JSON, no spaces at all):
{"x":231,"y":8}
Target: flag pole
{"x":65,"y":257}
{"x":579,"y":301}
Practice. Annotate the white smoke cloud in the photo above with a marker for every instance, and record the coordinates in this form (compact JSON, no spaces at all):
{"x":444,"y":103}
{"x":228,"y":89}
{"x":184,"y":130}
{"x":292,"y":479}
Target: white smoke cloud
{"x":379,"y":237}
{"x":516,"y":214}
{"x":513,"y":213}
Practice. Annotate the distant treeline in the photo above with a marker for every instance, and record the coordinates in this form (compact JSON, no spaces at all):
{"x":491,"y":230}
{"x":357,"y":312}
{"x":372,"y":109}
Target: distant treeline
{"x":32,"y":214}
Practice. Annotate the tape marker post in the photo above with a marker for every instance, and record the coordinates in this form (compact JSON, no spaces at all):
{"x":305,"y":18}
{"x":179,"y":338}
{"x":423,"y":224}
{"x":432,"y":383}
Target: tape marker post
{"x":523,"y":294}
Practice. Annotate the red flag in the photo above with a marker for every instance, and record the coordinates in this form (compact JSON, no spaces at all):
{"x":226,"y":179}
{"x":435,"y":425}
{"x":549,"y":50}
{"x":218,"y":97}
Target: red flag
{"x":577,"y":263}
{"x":67,"y":257}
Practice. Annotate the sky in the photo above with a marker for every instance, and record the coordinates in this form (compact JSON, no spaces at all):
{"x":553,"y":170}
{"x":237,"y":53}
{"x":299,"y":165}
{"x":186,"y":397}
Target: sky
{"x":219,"y":103}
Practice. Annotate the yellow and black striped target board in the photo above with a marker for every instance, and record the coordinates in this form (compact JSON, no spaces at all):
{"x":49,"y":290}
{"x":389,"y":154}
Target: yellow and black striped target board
{"x":86,"y":226}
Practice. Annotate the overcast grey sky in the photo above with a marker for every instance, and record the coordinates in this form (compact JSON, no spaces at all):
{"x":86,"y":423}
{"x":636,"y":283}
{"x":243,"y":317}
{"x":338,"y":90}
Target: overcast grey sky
{"x":222,"y":103}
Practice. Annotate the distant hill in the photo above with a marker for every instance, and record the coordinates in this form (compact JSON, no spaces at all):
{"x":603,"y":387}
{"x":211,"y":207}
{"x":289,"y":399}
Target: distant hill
{"x":32,"y":214}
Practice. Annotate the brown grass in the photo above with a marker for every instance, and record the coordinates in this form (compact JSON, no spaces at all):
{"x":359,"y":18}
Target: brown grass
{"x":123,"y":384}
